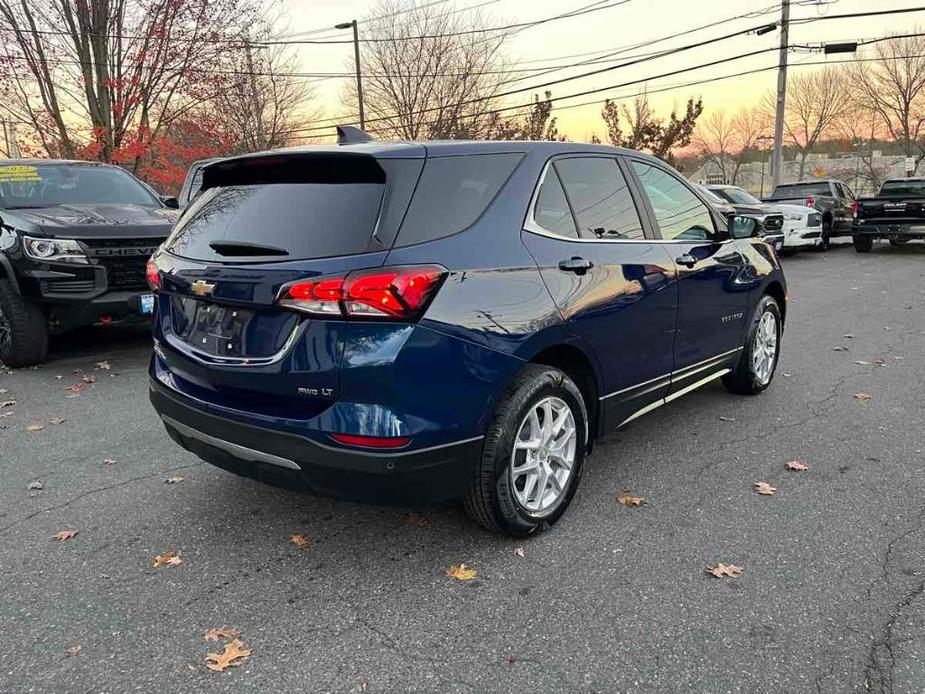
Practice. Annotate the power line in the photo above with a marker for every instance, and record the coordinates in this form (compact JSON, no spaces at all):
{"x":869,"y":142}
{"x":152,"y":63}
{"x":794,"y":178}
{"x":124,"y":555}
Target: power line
{"x":583,"y":10}
{"x":627,"y":64}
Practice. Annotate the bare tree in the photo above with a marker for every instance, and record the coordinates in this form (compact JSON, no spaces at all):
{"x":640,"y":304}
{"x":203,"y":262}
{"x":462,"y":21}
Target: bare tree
{"x":730,"y":141}
{"x":93,"y":75}
{"x":815,"y":101}
{"x":266,"y":104}
{"x":537,"y":123}
{"x":893,"y":86}
{"x":423,"y":75}
{"x":861,"y":126}
{"x":638,"y":127}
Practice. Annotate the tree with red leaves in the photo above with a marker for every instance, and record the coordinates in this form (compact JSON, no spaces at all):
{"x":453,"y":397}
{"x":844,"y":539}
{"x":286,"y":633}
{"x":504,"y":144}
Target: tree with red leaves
{"x":135,"y":82}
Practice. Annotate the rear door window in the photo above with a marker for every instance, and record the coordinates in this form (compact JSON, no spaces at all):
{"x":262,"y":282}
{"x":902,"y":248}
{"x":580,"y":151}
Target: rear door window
{"x":452,"y":194}
{"x":600,"y":198}
{"x":552,"y":211}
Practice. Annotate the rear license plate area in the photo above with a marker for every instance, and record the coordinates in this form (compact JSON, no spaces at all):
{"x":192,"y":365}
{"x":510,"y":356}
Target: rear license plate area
{"x":215,"y":329}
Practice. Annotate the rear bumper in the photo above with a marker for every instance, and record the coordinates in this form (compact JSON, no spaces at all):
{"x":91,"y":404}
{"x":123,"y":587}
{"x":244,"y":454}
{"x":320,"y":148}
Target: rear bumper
{"x":887,"y":231}
{"x":412,"y":478}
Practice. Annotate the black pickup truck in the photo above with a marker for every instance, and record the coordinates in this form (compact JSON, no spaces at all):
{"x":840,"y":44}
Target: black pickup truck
{"x":833,"y":199}
{"x":896,"y":214}
{"x":75,"y":238}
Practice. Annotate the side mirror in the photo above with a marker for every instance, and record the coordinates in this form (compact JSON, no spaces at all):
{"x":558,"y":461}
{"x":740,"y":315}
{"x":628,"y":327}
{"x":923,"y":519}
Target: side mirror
{"x":743,"y":227}
{"x":170,"y":201}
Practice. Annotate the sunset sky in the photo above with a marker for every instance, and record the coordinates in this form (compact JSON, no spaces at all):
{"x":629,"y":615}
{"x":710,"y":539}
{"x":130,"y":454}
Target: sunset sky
{"x":633,"y":23}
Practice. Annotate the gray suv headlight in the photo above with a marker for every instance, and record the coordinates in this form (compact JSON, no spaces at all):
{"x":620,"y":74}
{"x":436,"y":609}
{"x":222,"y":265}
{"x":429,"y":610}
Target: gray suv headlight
{"x":54,"y":250}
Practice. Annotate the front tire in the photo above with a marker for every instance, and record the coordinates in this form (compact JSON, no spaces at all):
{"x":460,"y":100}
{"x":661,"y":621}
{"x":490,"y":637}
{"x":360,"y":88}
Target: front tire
{"x":533,"y":453}
{"x":758,"y":361}
{"x":23,"y":329}
{"x":863,"y":244}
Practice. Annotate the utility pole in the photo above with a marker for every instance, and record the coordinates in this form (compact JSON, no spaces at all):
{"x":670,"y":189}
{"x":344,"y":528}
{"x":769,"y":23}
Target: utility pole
{"x":356,"y":53}
{"x":777,"y":161}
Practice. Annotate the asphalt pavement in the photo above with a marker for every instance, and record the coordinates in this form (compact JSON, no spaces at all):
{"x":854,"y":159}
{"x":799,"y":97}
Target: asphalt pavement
{"x":831,"y":597}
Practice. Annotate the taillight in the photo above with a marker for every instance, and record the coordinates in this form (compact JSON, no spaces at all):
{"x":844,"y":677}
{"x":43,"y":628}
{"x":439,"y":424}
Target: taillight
{"x":399,"y":292}
{"x":854,"y":209}
{"x":153,"y":276}
{"x":372,"y":441}
{"x":810,"y":201}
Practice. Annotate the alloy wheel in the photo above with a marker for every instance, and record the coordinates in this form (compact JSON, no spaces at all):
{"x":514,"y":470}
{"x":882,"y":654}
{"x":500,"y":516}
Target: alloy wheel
{"x":544,"y":455}
{"x":764,"y":351}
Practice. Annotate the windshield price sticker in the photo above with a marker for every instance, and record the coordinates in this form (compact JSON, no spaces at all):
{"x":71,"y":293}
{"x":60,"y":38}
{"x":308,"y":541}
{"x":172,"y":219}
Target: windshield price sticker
{"x":19,"y":174}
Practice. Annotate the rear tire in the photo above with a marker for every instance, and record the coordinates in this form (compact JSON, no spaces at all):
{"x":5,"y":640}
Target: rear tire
{"x":863,"y":244}
{"x":502,"y":498}
{"x":752,"y":374}
{"x":23,"y":329}
{"x":825,"y":237}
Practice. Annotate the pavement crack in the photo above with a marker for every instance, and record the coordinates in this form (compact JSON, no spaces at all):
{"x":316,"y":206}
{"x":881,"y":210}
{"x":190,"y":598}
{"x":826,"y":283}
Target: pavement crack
{"x":92,"y":492}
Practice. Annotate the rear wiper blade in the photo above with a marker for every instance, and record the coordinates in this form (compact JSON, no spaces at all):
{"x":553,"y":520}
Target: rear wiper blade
{"x":245,"y":248}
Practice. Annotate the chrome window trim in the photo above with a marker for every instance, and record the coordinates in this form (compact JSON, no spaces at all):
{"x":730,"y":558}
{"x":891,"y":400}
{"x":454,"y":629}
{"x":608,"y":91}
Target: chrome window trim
{"x":534,"y":227}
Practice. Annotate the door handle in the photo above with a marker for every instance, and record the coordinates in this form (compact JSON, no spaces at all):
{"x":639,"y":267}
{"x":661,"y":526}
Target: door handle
{"x":575,"y":264}
{"x":687,"y":260}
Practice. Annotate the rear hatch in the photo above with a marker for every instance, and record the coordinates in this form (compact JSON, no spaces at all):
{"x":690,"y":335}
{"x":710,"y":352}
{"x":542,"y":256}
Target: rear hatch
{"x":260,"y":224}
{"x":901,"y":201}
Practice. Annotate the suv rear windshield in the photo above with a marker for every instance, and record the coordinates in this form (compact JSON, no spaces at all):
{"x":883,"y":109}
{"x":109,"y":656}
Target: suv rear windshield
{"x":801,"y":190}
{"x":296,"y":210}
{"x":903,"y":189}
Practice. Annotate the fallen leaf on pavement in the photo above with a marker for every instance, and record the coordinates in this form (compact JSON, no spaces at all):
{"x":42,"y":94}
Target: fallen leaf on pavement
{"x":511,"y":660}
{"x":726,"y":419}
{"x":89,"y":379}
{"x":56,"y":420}
{"x":765,"y":488}
{"x":3,"y":391}
{"x":35,"y":484}
{"x":862,"y":396}
{"x":849,"y":336}
{"x":174,"y":479}
{"x":7,"y":403}
{"x":461,"y":572}
{"x":299,"y":540}
{"x":519,"y":551}
{"x":74,"y":650}
{"x":796,"y":466}
{"x":227,"y":633}
{"x":880,"y":361}
{"x":75,"y":388}
{"x":721,"y":570}
{"x":418,"y":519}
{"x":35,"y":426}
{"x":233,"y":654}
{"x":861,"y":362}
{"x":108,"y":461}
{"x":6,"y":414}
{"x":168,"y":558}
{"x":840,"y":349}
{"x":627,"y":500}
{"x":103,"y":365}
{"x":64,"y":535}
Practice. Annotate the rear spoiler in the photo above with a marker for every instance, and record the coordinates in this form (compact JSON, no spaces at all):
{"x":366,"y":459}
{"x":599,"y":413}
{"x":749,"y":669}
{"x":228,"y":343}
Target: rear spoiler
{"x":293,"y":167}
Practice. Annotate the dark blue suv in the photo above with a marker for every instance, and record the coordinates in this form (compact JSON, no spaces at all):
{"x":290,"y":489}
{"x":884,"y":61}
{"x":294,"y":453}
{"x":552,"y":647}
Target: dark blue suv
{"x":419,"y":322}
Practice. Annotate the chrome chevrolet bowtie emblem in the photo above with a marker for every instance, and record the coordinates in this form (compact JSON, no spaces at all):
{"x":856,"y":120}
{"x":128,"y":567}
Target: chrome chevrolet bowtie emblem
{"x":201,"y":288}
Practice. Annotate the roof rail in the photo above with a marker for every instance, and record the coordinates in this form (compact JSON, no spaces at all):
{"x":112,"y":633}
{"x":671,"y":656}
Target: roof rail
{"x":350,"y":135}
